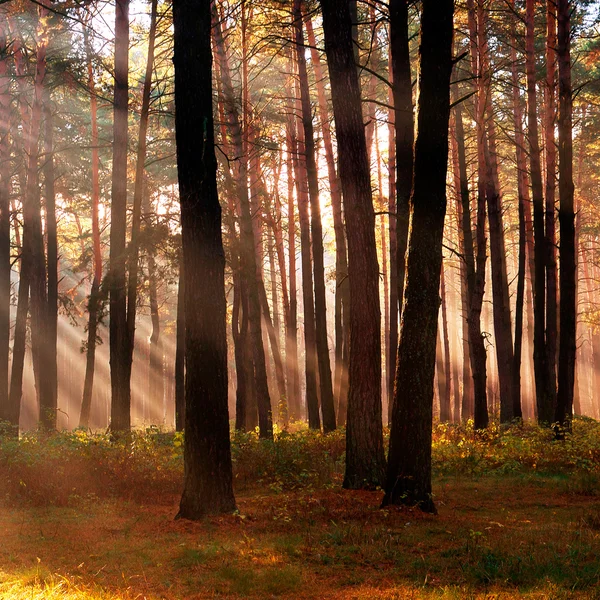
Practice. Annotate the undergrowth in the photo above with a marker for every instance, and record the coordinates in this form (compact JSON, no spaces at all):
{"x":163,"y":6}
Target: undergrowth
{"x":72,"y":467}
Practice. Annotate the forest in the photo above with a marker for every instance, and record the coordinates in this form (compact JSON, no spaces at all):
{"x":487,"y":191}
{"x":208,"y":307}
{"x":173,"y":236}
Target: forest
{"x":299,"y":299}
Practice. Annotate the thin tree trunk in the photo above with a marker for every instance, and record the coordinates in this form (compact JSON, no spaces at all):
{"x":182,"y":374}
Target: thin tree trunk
{"x":5,"y":125}
{"x":247,"y":236}
{"x":325,"y":382}
{"x":545,"y":388}
{"x":568,"y":266}
{"x":94,"y":299}
{"x":365,"y":461}
{"x":120,"y":363}
{"x":180,"y":351}
{"x":445,"y":406}
{"x":342,"y":289}
{"x":136,"y":221}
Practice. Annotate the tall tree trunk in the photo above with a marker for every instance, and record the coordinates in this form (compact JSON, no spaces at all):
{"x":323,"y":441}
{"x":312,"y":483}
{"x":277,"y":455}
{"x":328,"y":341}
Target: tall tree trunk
{"x":403,"y":158}
{"x":310,"y":342}
{"x":550,"y":147}
{"x":207,"y":455}
{"x":325,"y":382}
{"x":445,"y":406}
{"x":365,"y":461}
{"x":247,"y":236}
{"x":342,"y":289}
{"x":5,"y":124}
{"x":291,"y":352}
{"x":544,"y":385}
{"x":566,"y":215}
{"x":524,"y":201}
{"x":51,"y":326}
{"x":94,"y":298}
{"x":409,"y":467}
{"x":136,"y":220}
{"x":120,"y":363}
{"x":475,"y":270}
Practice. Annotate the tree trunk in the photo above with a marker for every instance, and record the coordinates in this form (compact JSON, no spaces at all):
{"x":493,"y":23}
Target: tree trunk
{"x":365,"y":461}
{"x":94,"y":299}
{"x":445,"y":406}
{"x":342,"y":289}
{"x":409,"y":467}
{"x":550,"y":147}
{"x":120,"y":364}
{"x":207,"y":455}
{"x":247,"y":236}
{"x":325,"y":383}
{"x":51,"y":326}
{"x":136,"y":219}
{"x":568,"y":267}
{"x":180,"y":352}
{"x":544,"y":385}
{"x":5,"y":125}
{"x":403,"y":153}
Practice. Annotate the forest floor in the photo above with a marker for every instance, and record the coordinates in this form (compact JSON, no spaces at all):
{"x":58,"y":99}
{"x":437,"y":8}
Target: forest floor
{"x":519,"y":516}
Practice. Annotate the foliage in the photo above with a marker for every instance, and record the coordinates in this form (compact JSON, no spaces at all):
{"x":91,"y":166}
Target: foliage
{"x":69,"y":467}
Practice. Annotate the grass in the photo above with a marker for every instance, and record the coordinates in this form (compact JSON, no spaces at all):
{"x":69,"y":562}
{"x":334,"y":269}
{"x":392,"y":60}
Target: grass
{"x":519,"y":516}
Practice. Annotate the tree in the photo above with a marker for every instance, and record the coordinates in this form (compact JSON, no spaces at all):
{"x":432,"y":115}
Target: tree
{"x":566,"y":216}
{"x":409,"y":465}
{"x":207,"y":454}
{"x":120,"y":365}
{"x":365,"y":461}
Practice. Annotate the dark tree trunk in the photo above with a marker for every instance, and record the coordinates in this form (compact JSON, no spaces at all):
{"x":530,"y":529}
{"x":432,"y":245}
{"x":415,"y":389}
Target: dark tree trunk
{"x":120,"y":364}
{"x":325,"y":383}
{"x":544,"y":385}
{"x":247,"y":236}
{"x":403,"y":151}
{"x":5,"y":123}
{"x":409,"y":467}
{"x":49,"y":416}
{"x":550,"y":200}
{"x":342,"y":290}
{"x":138,"y":198}
{"x":475,"y":270}
{"x":365,"y":461}
{"x":566,"y":216}
{"x":94,"y":299}
{"x":310,"y":342}
{"x":208,"y":473}
{"x":180,"y":352}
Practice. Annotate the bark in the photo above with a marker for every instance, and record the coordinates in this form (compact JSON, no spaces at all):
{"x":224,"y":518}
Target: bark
{"x":48,"y":413}
{"x":310,"y":342}
{"x":325,"y":382}
{"x":291,"y":353}
{"x":136,"y":220}
{"x":342,"y":289}
{"x":5,"y":125}
{"x":409,"y":467}
{"x":364,"y":439}
{"x":445,"y":406}
{"x":120,"y":364}
{"x":403,"y":153}
{"x":247,"y":235}
{"x":475,"y":270}
{"x":566,"y":216}
{"x":94,"y":299}
{"x":550,"y":147}
{"x":545,"y":392}
{"x":207,"y":455}
{"x":524,"y":201}
{"x":180,"y":352}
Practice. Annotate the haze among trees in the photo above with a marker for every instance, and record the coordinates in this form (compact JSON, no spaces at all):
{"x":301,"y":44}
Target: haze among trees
{"x":320,"y":273}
